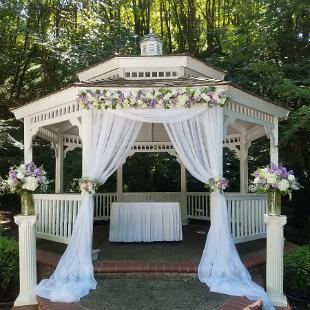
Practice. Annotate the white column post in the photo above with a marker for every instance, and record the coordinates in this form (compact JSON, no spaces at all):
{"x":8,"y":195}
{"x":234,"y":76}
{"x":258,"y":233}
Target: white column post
{"x":274,"y":140}
{"x":119,"y":183}
{"x":28,"y":135}
{"x":27,"y":259}
{"x":59,"y":167}
{"x":241,"y":161}
{"x":244,"y":169}
{"x":183,"y":195}
{"x":274,"y":264}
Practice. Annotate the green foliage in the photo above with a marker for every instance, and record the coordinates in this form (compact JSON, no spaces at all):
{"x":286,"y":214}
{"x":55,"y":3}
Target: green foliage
{"x":151,"y":172}
{"x":297,"y":272}
{"x":8,"y":264}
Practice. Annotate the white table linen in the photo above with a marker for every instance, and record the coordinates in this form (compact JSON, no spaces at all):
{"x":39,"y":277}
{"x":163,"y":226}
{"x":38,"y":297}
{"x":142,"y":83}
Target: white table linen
{"x":145,"y":222}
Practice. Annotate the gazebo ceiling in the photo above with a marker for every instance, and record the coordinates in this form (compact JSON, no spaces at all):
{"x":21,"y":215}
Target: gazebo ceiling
{"x":150,"y":132}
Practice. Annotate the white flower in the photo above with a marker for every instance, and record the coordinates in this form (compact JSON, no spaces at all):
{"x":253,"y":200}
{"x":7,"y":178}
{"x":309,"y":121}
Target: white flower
{"x":283,"y":185}
{"x":291,"y":177}
{"x":271,"y":178}
{"x":11,"y":182}
{"x":126,"y":105}
{"x":205,"y":97}
{"x":31,"y":184}
{"x":182,"y":100}
{"x":20,"y":175}
{"x":157,"y":94}
{"x":256,"y":180}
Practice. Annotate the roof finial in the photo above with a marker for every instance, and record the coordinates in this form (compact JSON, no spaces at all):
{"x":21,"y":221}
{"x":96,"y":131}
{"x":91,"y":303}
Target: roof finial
{"x":151,"y":45}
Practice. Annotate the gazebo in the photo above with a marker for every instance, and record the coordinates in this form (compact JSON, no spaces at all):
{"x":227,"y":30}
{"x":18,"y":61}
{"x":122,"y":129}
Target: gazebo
{"x":60,"y":119}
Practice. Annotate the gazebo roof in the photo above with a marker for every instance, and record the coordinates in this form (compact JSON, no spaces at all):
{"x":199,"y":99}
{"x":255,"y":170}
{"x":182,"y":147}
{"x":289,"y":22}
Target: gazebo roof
{"x":243,"y":111}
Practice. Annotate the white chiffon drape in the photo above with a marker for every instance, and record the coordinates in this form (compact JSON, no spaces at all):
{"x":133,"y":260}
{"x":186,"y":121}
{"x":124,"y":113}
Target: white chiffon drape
{"x":198,"y":142}
{"x":107,"y":139}
{"x":197,"y":135}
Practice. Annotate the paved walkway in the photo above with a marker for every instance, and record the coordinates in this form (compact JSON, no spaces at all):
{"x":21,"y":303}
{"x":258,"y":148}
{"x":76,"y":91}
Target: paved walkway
{"x":145,"y":291}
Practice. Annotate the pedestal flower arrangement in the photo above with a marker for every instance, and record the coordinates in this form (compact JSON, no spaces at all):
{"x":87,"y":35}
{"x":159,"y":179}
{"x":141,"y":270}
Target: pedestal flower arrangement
{"x":25,"y":180}
{"x":275,"y":181}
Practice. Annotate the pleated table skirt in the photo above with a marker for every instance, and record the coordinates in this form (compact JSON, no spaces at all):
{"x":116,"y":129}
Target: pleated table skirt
{"x":145,"y":222}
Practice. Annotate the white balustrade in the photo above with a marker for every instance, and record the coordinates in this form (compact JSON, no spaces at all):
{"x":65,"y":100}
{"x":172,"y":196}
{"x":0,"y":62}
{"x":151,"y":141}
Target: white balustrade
{"x":103,"y":203}
{"x":198,"y":206}
{"x":57,"y":212}
{"x":246,"y":216}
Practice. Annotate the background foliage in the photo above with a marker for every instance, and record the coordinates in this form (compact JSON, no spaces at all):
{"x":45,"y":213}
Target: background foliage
{"x":262,"y":44}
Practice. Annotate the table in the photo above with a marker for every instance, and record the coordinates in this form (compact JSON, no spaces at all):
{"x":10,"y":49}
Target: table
{"x":145,"y":222}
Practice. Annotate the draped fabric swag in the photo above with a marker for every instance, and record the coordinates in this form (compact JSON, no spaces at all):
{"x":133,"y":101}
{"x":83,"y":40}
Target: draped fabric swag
{"x":197,"y":135}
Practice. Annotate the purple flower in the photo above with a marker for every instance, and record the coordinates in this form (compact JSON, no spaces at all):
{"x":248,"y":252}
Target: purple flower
{"x":196,"y":98}
{"x":37,"y":172}
{"x":212,"y":101}
{"x":121,"y":97}
{"x":30,"y":166}
{"x":153,"y":103}
{"x":284,"y":173}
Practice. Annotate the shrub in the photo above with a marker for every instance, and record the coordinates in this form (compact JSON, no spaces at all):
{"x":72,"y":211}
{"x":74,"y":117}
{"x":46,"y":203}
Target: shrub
{"x":297,"y":272}
{"x":8,"y":264}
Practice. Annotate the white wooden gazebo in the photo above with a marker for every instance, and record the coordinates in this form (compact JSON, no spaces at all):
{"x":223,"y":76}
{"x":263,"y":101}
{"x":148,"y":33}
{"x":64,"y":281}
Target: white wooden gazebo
{"x":57,"y":119}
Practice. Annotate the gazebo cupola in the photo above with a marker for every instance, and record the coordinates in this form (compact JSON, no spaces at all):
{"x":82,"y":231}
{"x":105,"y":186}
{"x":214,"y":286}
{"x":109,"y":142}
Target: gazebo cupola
{"x":151,"y":45}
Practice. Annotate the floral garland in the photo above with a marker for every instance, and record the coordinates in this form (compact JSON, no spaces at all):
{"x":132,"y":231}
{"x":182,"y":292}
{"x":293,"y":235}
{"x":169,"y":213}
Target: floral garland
{"x":157,"y":98}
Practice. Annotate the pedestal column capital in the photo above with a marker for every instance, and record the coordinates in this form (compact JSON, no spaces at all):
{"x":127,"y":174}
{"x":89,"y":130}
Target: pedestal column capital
{"x":276,"y":220}
{"x":25,"y":219}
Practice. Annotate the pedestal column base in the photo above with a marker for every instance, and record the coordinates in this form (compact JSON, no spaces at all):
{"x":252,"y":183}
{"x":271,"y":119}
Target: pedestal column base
{"x":279,"y":301}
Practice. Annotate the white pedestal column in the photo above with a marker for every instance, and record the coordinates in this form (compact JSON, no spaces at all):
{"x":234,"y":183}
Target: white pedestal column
{"x":183,"y":195}
{"x":27,"y":259}
{"x":274,"y":264}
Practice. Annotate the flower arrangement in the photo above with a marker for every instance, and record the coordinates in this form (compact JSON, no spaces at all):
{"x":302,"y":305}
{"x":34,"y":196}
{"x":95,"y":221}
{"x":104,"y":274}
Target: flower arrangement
{"x":27,"y":178}
{"x":87,"y":186}
{"x":274,"y":178}
{"x":217,"y":183}
{"x":157,"y":98}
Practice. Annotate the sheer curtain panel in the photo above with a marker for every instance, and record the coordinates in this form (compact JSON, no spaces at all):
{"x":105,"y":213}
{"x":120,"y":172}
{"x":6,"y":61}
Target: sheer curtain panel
{"x":107,"y":139}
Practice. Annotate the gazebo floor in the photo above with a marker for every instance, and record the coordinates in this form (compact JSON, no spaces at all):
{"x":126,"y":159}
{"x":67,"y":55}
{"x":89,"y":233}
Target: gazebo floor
{"x":188,"y":250}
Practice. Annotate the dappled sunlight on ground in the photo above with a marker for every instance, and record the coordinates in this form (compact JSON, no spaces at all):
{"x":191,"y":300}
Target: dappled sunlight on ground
{"x":7,"y":225}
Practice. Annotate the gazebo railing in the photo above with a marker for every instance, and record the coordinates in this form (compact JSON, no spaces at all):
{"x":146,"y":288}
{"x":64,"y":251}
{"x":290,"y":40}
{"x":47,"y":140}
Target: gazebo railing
{"x":57,"y":212}
{"x":56,"y":215}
